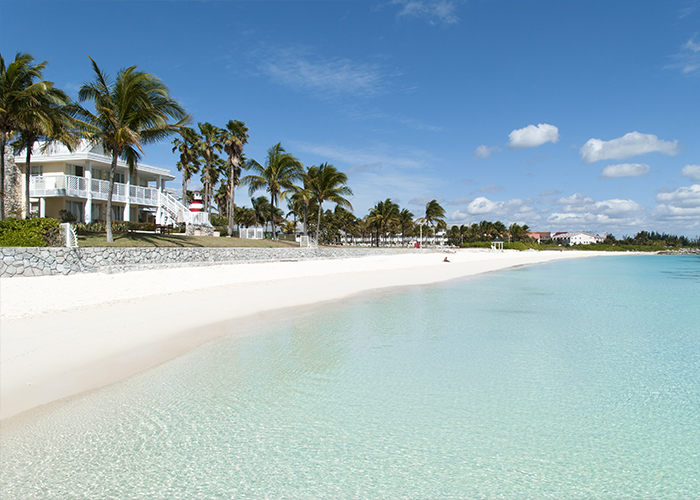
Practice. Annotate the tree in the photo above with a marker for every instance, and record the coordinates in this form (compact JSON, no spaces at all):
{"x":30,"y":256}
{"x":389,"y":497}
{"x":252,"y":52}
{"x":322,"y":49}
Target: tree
{"x":382,"y":216}
{"x":21,"y":91}
{"x":327,"y":184}
{"x":302,"y":195}
{"x":233,"y":137}
{"x":434,"y":213}
{"x":50,"y":120}
{"x":208,"y":147}
{"x":134,"y":110}
{"x":405,"y":222}
{"x":277,"y":177}
{"x":188,"y":145}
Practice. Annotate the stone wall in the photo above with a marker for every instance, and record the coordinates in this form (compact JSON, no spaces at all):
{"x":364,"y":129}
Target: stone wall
{"x":27,"y":261}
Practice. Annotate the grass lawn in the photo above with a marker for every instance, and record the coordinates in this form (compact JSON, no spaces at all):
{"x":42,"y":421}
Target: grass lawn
{"x":174,"y":240}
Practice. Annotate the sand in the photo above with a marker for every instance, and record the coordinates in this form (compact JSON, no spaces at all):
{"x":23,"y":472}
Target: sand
{"x":63,"y":335}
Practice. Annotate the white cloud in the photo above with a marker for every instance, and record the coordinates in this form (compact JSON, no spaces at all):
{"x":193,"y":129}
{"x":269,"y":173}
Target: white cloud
{"x":516,"y":210}
{"x":362,"y":159}
{"x":424,"y":200}
{"x":434,"y":12}
{"x":490,"y":188}
{"x":687,"y":60}
{"x":684,"y":196}
{"x":532,"y":136}
{"x":624,"y":170}
{"x":580,"y":212}
{"x":485,"y":151}
{"x":300,"y":69}
{"x":681,"y":206}
{"x":692,"y":172}
{"x":627,"y":146}
{"x":692,"y":45}
{"x":461,"y":201}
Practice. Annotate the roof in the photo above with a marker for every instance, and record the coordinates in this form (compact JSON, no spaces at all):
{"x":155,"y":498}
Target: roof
{"x":85,"y":151}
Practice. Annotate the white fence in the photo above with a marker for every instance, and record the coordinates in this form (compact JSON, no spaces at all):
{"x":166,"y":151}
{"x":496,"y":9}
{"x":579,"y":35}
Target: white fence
{"x":251,"y":233}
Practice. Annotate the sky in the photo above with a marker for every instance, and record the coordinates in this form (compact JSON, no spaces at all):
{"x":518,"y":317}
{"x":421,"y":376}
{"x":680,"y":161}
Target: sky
{"x":562,"y":115}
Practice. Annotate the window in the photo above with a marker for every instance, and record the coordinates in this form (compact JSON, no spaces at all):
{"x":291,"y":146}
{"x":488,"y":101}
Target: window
{"x":119,"y":177}
{"x":77,"y":170}
{"x":36,"y":170}
{"x":76,"y":208}
{"x":97,"y":211}
{"x":117,"y":213}
{"x":34,"y":208}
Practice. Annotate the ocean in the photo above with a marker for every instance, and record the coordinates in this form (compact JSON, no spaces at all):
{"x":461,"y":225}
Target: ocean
{"x":576,"y":379}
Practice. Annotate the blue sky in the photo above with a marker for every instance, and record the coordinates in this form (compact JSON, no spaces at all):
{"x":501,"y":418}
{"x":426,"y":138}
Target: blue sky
{"x":563,"y":115}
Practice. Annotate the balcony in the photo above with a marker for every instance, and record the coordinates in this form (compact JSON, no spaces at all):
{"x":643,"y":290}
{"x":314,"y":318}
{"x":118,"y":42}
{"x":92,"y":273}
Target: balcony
{"x":77,"y":187}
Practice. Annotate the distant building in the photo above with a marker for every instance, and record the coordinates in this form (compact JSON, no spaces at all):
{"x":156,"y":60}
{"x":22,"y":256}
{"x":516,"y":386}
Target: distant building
{"x":577,"y":238}
{"x":540,"y":237}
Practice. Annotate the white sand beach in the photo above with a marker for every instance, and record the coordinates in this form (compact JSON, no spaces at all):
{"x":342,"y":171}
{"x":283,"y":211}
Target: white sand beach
{"x":63,"y":335}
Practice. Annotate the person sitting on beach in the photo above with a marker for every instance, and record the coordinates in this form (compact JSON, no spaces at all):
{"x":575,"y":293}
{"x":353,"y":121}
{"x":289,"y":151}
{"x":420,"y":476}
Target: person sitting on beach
{"x":445,"y":260}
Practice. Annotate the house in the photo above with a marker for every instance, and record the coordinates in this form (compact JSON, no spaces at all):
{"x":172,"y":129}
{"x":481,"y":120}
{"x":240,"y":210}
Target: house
{"x":78,"y":181}
{"x":577,"y":238}
{"x":540,"y":237}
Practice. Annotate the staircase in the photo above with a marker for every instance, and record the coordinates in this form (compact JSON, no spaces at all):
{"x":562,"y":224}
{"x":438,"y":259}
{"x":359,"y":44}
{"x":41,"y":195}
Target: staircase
{"x":180,"y":213}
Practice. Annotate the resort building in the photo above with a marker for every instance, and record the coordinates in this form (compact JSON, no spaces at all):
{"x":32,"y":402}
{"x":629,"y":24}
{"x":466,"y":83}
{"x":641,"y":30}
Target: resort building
{"x":578,"y":238}
{"x":78,"y":181}
{"x":540,"y":237}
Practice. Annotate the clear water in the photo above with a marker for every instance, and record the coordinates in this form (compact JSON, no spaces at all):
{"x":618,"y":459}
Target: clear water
{"x":575,"y":380}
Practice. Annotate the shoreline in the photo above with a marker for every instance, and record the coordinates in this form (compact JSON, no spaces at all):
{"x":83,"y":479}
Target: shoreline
{"x":64,"y":335}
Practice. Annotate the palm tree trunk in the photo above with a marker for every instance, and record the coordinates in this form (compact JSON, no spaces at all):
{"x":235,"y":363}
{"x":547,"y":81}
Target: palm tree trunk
{"x":231,"y":194}
{"x":27,"y":178}
{"x":3,"y":141}
{"x":306,"y":210}
{"x":272,"y":216}
{"x":184,"y":188}
{"x":108,"y":215}
{"x":318,"y":226}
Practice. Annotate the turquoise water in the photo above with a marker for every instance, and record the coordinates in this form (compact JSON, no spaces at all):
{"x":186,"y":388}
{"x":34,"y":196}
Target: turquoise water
{"x":576,"y":379}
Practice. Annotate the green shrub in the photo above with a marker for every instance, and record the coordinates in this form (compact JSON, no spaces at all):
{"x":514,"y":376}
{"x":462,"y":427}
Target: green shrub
{"x":36,"y":232}
{"x":477,"y":244}
{"x":217,"y":220}
{"x":66,"y":216}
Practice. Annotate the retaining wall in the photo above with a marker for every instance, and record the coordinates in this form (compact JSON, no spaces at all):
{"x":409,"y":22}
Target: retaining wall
{"x":30,"y":261}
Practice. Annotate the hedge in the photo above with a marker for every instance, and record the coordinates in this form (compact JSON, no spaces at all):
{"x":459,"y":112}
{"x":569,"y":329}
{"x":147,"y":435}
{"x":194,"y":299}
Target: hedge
{"x":36,"y":232}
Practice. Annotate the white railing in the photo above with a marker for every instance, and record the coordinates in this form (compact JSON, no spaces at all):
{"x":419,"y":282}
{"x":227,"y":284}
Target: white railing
{"x":179,"y":213}
{"x":143,"y":195}
{"x":58,"y":185}
{"x":100,"y":190}
{"x":71,"y":185}
{"x":68,"y":234}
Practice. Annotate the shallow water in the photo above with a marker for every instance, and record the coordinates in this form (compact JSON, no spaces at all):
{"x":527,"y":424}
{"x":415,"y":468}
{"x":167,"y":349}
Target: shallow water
{"x":575,"y":379}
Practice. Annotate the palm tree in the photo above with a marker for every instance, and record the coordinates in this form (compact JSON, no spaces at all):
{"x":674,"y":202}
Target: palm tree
{"x":328,"y":184}
{"x":277,"y":177}
{"x":188,"y":145}
{"x":302,"y":195}
{"x":382,"y":216}
{"x":47,"y":119}
{"x":134,"y":110}
{"x":434,"y":213}
{"x":208,"y":148}
{"x":406,"y":222}
{"x":233,"y":137}
{"x":21,"y":90}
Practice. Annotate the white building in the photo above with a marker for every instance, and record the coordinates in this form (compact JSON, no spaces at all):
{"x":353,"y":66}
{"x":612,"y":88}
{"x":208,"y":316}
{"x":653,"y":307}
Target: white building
{"x":78,"y":182}
{"x":578,"y":238}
